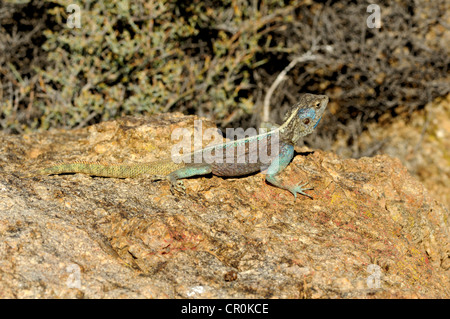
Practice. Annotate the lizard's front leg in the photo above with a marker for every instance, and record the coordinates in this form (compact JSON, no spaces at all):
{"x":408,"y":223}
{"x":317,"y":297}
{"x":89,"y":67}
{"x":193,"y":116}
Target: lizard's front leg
{"x":279,"y":164}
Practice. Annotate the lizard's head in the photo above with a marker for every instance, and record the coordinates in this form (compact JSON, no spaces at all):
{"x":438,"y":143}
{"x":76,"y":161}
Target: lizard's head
{"x":303,"y":117}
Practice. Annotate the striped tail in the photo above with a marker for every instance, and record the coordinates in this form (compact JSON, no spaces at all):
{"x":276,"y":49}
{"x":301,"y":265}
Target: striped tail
{"x":113,"y":170}
{"x":94,"y":169}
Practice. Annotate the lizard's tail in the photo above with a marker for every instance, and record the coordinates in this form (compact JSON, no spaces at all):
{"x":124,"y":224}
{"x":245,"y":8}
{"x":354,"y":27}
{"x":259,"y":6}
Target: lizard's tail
{"x":112,"y":170}
{"x":95,"y":169}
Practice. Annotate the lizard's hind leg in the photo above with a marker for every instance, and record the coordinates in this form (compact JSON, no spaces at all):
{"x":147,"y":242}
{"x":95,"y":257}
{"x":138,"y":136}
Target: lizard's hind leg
{"x":188,"y":171}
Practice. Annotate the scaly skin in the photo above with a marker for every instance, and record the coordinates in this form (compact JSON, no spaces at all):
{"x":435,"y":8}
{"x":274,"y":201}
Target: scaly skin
{"x":300,"y":120}
{"x":159,"y":168}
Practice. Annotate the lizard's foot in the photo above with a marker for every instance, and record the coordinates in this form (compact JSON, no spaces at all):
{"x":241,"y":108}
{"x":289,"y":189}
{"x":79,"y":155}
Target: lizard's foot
{"x":298,"y":189}
{"x":178,"y":186}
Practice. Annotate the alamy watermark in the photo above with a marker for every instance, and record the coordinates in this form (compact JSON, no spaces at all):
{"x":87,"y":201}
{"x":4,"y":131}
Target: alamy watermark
{"x":74,"y":278}
{"x":244,"y":146}
{"x":74,"y":17}
{"x":374,"y":280}
{"x":374,"y":20}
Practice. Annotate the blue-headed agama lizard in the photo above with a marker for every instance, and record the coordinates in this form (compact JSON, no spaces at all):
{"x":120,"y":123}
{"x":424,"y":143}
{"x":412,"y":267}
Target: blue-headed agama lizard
{"x":300,"y":120}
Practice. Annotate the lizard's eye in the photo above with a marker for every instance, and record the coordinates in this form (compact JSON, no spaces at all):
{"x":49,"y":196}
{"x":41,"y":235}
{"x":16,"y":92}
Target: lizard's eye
{"x":306,"y":121}
{"x":317,"y":104}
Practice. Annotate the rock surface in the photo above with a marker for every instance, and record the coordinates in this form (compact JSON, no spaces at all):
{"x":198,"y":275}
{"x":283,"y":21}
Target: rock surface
{"x":421,"y":142}
{"x":372,"y":230}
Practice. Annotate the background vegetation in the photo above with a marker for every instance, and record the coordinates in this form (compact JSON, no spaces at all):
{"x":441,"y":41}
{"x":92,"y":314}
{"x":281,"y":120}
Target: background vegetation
{"x":218,"y":59}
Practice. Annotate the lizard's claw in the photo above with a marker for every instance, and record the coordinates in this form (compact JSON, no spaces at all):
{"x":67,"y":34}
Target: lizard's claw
{"x":298,"y":189}
{"x":178,"y":186}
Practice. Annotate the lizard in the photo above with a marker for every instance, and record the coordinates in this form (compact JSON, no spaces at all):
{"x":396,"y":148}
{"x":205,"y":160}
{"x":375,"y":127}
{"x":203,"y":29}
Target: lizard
{"x":300,"y":120}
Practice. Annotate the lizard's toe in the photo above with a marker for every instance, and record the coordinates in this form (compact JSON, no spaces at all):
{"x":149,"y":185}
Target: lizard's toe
{"x":299,"y":189}
{"x":178,"y":186}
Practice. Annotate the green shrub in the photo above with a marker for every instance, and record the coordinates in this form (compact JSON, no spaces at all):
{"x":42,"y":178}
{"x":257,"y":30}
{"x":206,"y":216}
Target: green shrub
{"x":144,"y":57}
{"x":217,"y":59}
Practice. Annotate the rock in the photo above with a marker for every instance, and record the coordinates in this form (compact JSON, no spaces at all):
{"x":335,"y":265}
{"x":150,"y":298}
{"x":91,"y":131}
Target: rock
{"x":421,"y":140}
{"x":371,"y":231}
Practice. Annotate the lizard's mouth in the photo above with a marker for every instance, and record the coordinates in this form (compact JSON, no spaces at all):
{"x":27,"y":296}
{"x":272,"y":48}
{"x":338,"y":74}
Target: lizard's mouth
{"x":324,"y":102}
{"x":323,"y":106}
{"x":317,"y":123}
